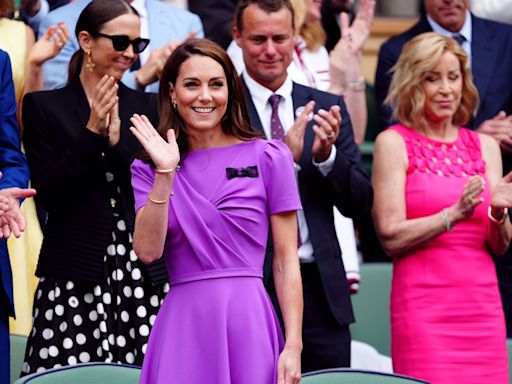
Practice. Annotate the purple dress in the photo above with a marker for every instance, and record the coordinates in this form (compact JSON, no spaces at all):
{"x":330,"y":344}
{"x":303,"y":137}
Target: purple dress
{"x":217,"y":323}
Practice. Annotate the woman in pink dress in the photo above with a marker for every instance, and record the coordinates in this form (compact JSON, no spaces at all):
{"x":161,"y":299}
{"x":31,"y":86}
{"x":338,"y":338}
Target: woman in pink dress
{"x":210,"y":220}
{"x":441,"y":213}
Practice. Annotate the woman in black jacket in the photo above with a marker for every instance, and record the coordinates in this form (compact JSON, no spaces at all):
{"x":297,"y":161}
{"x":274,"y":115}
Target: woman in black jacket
{"x":95,"y":300}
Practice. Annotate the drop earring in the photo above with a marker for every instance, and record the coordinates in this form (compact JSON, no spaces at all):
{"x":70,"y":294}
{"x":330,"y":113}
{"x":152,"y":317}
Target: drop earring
{"x":174,"y":104}
{"x":89,"y":64}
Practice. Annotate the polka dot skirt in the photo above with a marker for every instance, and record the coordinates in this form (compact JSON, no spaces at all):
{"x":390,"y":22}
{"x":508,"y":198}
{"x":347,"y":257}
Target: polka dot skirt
{"x":108,"y":322}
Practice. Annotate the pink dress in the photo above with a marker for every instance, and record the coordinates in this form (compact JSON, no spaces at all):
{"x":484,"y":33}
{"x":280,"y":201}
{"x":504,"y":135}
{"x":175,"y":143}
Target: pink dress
{"x":447,"y":322}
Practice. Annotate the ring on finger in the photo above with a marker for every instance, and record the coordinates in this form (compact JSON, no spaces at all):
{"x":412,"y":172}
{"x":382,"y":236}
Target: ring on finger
{"x":472,"y":200}
{"x":60,"y":44}
{"x":330,"y":135}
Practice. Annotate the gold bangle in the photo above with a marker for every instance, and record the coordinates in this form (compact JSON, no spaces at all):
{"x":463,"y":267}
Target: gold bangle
{"x":156,"y":201}
{"x":494,"y":220}
{"x":170,"y":170}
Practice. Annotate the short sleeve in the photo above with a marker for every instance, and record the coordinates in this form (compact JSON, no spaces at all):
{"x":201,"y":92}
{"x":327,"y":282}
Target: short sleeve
{"x":279,"y":178}
{"x":142,"y":182}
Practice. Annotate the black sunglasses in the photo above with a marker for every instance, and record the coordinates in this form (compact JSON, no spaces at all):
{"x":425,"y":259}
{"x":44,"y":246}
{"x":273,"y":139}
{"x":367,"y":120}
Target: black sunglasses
{"x":122,"y":42}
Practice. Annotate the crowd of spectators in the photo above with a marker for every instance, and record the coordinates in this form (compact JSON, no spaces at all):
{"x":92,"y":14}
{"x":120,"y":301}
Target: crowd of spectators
{"x":438,"y":199}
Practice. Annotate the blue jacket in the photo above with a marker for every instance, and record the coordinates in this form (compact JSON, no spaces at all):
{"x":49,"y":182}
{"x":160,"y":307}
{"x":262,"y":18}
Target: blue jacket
{"x":12,"y":163}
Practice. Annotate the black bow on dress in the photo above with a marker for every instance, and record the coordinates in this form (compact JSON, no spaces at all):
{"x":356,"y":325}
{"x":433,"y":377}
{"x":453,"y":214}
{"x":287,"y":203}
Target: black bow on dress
{"x":250,"y":171}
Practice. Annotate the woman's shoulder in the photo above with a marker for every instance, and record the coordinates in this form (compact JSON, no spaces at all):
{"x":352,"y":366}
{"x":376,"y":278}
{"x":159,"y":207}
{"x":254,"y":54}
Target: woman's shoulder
{"x":487,"y":142}
{"x":391,"y":145}
{"x":394,"y":135}
{"x":139,"y":96}
{"x":274,"y":148}
{"x":143,"y":103}
{"x":50,"y":97}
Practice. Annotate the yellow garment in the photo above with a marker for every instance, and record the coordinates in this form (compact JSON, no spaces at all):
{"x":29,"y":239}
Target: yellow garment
{"x":13,"y":40}
{"x":23,"y":252}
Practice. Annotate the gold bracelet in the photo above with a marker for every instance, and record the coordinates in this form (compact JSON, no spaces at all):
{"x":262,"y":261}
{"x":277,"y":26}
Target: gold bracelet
{"x":493,"y":219}
{"x":156,"y":201}
{"x":170,"y":170}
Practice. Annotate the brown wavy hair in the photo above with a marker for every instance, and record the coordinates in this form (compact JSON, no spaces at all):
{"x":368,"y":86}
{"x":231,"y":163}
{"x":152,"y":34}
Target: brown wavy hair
{"x":236,"y":119}
{"x":418,"y":57}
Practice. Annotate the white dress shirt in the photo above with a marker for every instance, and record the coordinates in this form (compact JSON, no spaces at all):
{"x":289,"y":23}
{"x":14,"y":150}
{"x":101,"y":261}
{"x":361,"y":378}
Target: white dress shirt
{"x":140,"y":7}
{"x":260,"y":96}
{"x":466,"y":31}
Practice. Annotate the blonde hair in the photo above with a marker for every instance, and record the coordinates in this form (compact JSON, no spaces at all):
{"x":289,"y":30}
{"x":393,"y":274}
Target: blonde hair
{"x":311,"y":31}
{"x":418,"y":57}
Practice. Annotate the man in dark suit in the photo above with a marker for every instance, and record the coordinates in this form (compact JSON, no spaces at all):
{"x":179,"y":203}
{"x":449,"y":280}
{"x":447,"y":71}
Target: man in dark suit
{"x":489,"y":45}
{"x":316,"y":127}
{"x":14,"y":176}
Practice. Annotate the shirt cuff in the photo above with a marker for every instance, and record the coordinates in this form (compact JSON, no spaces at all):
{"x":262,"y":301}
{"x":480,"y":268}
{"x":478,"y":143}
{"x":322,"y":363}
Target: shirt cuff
{"x":326,"y":166}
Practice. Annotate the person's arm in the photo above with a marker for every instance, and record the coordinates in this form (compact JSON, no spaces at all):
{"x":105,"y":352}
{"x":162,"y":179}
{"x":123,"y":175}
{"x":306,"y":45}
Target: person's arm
{"x":46,"y":48}
{"x":151,"y":220}
{"x":500,"y":128}
{"x":288,"y":285}
{"x":150,"y":72}
{"x":352,"y":192}
{"x":345,"y":63}
{"x":499,"y":231}
{"x":55,"y":70}
{"x":12,"y":161}
{"x":354,"y":96}
{"x":398,"y":235}
{"x":14,"y":173}
{"x":55,"y":166}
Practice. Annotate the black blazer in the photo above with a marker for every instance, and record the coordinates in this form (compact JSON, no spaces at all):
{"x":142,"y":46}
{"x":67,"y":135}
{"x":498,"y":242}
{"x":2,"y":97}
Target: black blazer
{"x":68,"y":164}
{"x":491,"y":58}
{"x":347,"y":187}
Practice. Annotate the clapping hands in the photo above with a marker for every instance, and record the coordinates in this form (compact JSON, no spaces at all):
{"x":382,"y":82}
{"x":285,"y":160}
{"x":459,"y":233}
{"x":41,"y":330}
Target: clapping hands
{"x":11,"y":217}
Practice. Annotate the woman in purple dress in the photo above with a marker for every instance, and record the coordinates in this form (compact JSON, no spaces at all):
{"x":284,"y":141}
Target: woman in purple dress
{"x":205,"y":196}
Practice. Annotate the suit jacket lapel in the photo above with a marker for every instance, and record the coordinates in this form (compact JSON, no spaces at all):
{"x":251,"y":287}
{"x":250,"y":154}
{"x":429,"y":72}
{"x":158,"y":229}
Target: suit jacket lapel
{"x":253,"y":114}
{"x":484,"y":53}
{"x":301,"y":96}
{"x":422,"y":26}
{"x":76,"y":92}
